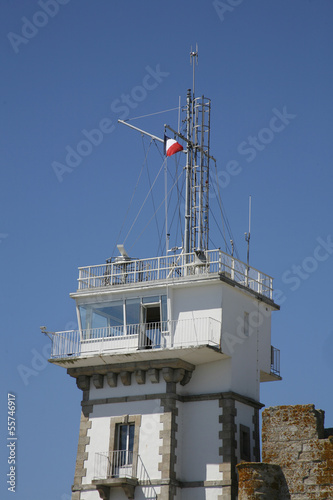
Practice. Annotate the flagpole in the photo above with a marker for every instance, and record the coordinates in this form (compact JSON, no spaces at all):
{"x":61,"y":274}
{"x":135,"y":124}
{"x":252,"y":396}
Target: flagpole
{"x":166,"y":205}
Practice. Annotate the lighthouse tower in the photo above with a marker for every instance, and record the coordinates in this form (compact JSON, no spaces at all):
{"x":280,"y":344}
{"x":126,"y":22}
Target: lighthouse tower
{"x":169,"y":356}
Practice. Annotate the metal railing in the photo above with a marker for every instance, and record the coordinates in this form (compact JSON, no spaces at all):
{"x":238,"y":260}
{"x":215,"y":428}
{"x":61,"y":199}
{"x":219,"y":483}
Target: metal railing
{"x":162,"y":335}
{"x":120,"y":463}
{"x":275,"y":361}
{"x":175,"y":267}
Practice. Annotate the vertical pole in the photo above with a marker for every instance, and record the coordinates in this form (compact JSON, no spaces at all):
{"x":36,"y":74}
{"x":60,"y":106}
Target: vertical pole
{"x":188,"y":177}
{"x":192,"y":54}
{"x":193,"y":137}
{"x":232,"y":269}
{"x":201,"y":231}
{"x":207,"y":178}
{"x":249,"y":234}
{"x":247,"y":239}
{"x":194,"y":176}
{"x":166,"y":206}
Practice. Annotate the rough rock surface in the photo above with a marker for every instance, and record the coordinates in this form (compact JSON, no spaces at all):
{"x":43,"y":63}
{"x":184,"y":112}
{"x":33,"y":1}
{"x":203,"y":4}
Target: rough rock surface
{"x":295,"y":441}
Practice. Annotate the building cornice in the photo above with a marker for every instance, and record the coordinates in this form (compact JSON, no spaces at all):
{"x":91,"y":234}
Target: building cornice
{"x":183,"y":399}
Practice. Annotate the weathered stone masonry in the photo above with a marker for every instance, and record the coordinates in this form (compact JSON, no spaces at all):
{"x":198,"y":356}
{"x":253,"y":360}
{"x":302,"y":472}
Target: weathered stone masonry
{"x":298,"y":452}
{"x":168,"y":448}
{"x":264,"y":481}
{"x":228,"y":449}
{"x":85,"y":424}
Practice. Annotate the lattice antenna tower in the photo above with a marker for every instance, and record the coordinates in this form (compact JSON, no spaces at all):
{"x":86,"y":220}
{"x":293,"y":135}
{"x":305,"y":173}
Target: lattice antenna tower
{"x":198,"y":132}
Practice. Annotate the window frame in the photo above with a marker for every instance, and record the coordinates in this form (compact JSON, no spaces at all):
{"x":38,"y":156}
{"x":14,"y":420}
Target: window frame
{"x":85,"y":319}
{"x":125,"y":454}
{"x":115,"y":422}
{"x":245,"y":443}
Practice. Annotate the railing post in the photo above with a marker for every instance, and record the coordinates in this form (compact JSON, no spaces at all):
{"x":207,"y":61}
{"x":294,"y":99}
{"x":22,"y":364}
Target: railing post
{"x":171,"y":327}
{"x":220,"y":338}
{"x":232,"y":268}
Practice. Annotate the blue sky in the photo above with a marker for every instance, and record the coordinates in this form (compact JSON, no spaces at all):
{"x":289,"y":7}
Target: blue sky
{"x":66,"y":66}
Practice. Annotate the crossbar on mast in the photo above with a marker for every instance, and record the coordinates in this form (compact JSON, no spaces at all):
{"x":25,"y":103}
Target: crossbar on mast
{"x":142,"y":131}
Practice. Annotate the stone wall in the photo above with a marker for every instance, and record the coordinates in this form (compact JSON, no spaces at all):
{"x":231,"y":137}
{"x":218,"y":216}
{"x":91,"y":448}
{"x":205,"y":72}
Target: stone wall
{"x":261,"y":481}
{"x":295,"y":441}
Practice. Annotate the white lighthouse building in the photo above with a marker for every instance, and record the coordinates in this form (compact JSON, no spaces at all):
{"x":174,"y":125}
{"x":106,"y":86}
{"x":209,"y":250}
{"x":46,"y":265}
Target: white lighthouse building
{"x":169,"y":355}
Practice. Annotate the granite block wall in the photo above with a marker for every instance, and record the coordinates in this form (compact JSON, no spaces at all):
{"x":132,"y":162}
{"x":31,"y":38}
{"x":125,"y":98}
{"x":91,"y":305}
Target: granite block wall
{"x":297,"y":454}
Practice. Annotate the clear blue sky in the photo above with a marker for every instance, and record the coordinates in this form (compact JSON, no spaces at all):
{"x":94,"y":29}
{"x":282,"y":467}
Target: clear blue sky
{"x":68,"y":74}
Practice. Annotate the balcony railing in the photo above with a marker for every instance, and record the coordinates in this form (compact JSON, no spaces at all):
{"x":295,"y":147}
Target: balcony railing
{"x":130,"y":338}
{"x":120,"y":463}
{"x":175,"y":267}
{"x":275,"y":361}
{"x":123,"y":464}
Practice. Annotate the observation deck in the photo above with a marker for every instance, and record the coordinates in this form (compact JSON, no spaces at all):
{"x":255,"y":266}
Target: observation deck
{"x":175,"y":267}
{"x":143,"y":342}
{"x":114,"y":336}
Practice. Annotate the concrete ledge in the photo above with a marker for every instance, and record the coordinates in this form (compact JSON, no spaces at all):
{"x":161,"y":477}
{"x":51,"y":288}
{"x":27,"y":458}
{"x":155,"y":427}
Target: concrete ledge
{"x":105,"y":485}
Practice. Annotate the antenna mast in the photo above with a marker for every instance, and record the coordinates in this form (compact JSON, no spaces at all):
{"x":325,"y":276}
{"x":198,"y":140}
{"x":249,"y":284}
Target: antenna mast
{"x":247,"y":239}
{"x":197,"y":138}
{"x":194,"y":55}
{"x":187,"y":232}
{"x":198,"y":121}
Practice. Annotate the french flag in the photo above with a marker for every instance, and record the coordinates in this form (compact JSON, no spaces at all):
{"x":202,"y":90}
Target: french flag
{"x":171,"y":146}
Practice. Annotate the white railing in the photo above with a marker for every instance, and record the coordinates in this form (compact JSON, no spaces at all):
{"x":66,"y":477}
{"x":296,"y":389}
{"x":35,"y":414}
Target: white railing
{"x":275,"y":361}
{"x":163,"y":335}
{"x":120,"y":463}
{"x":175,"y":267}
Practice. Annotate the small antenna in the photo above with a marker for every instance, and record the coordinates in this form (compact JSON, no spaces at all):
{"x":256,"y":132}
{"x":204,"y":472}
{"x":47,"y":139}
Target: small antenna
{"x":194,"y":54}
{"x":248,"y":235}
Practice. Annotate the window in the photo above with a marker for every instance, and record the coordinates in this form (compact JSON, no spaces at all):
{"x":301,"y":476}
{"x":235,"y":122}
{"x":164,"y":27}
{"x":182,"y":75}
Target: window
{"x":151,"y":300}
{"x":164,"y":312}
{"x":151,"y":319}
{"x":244,"y":442}
{"x":124,"y":445}
{"x":83,"y":317}
{"x":102,"y":320}
{"x":125,"y":442}
{"x":133,"y":307}
{"x":126,"y":317}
